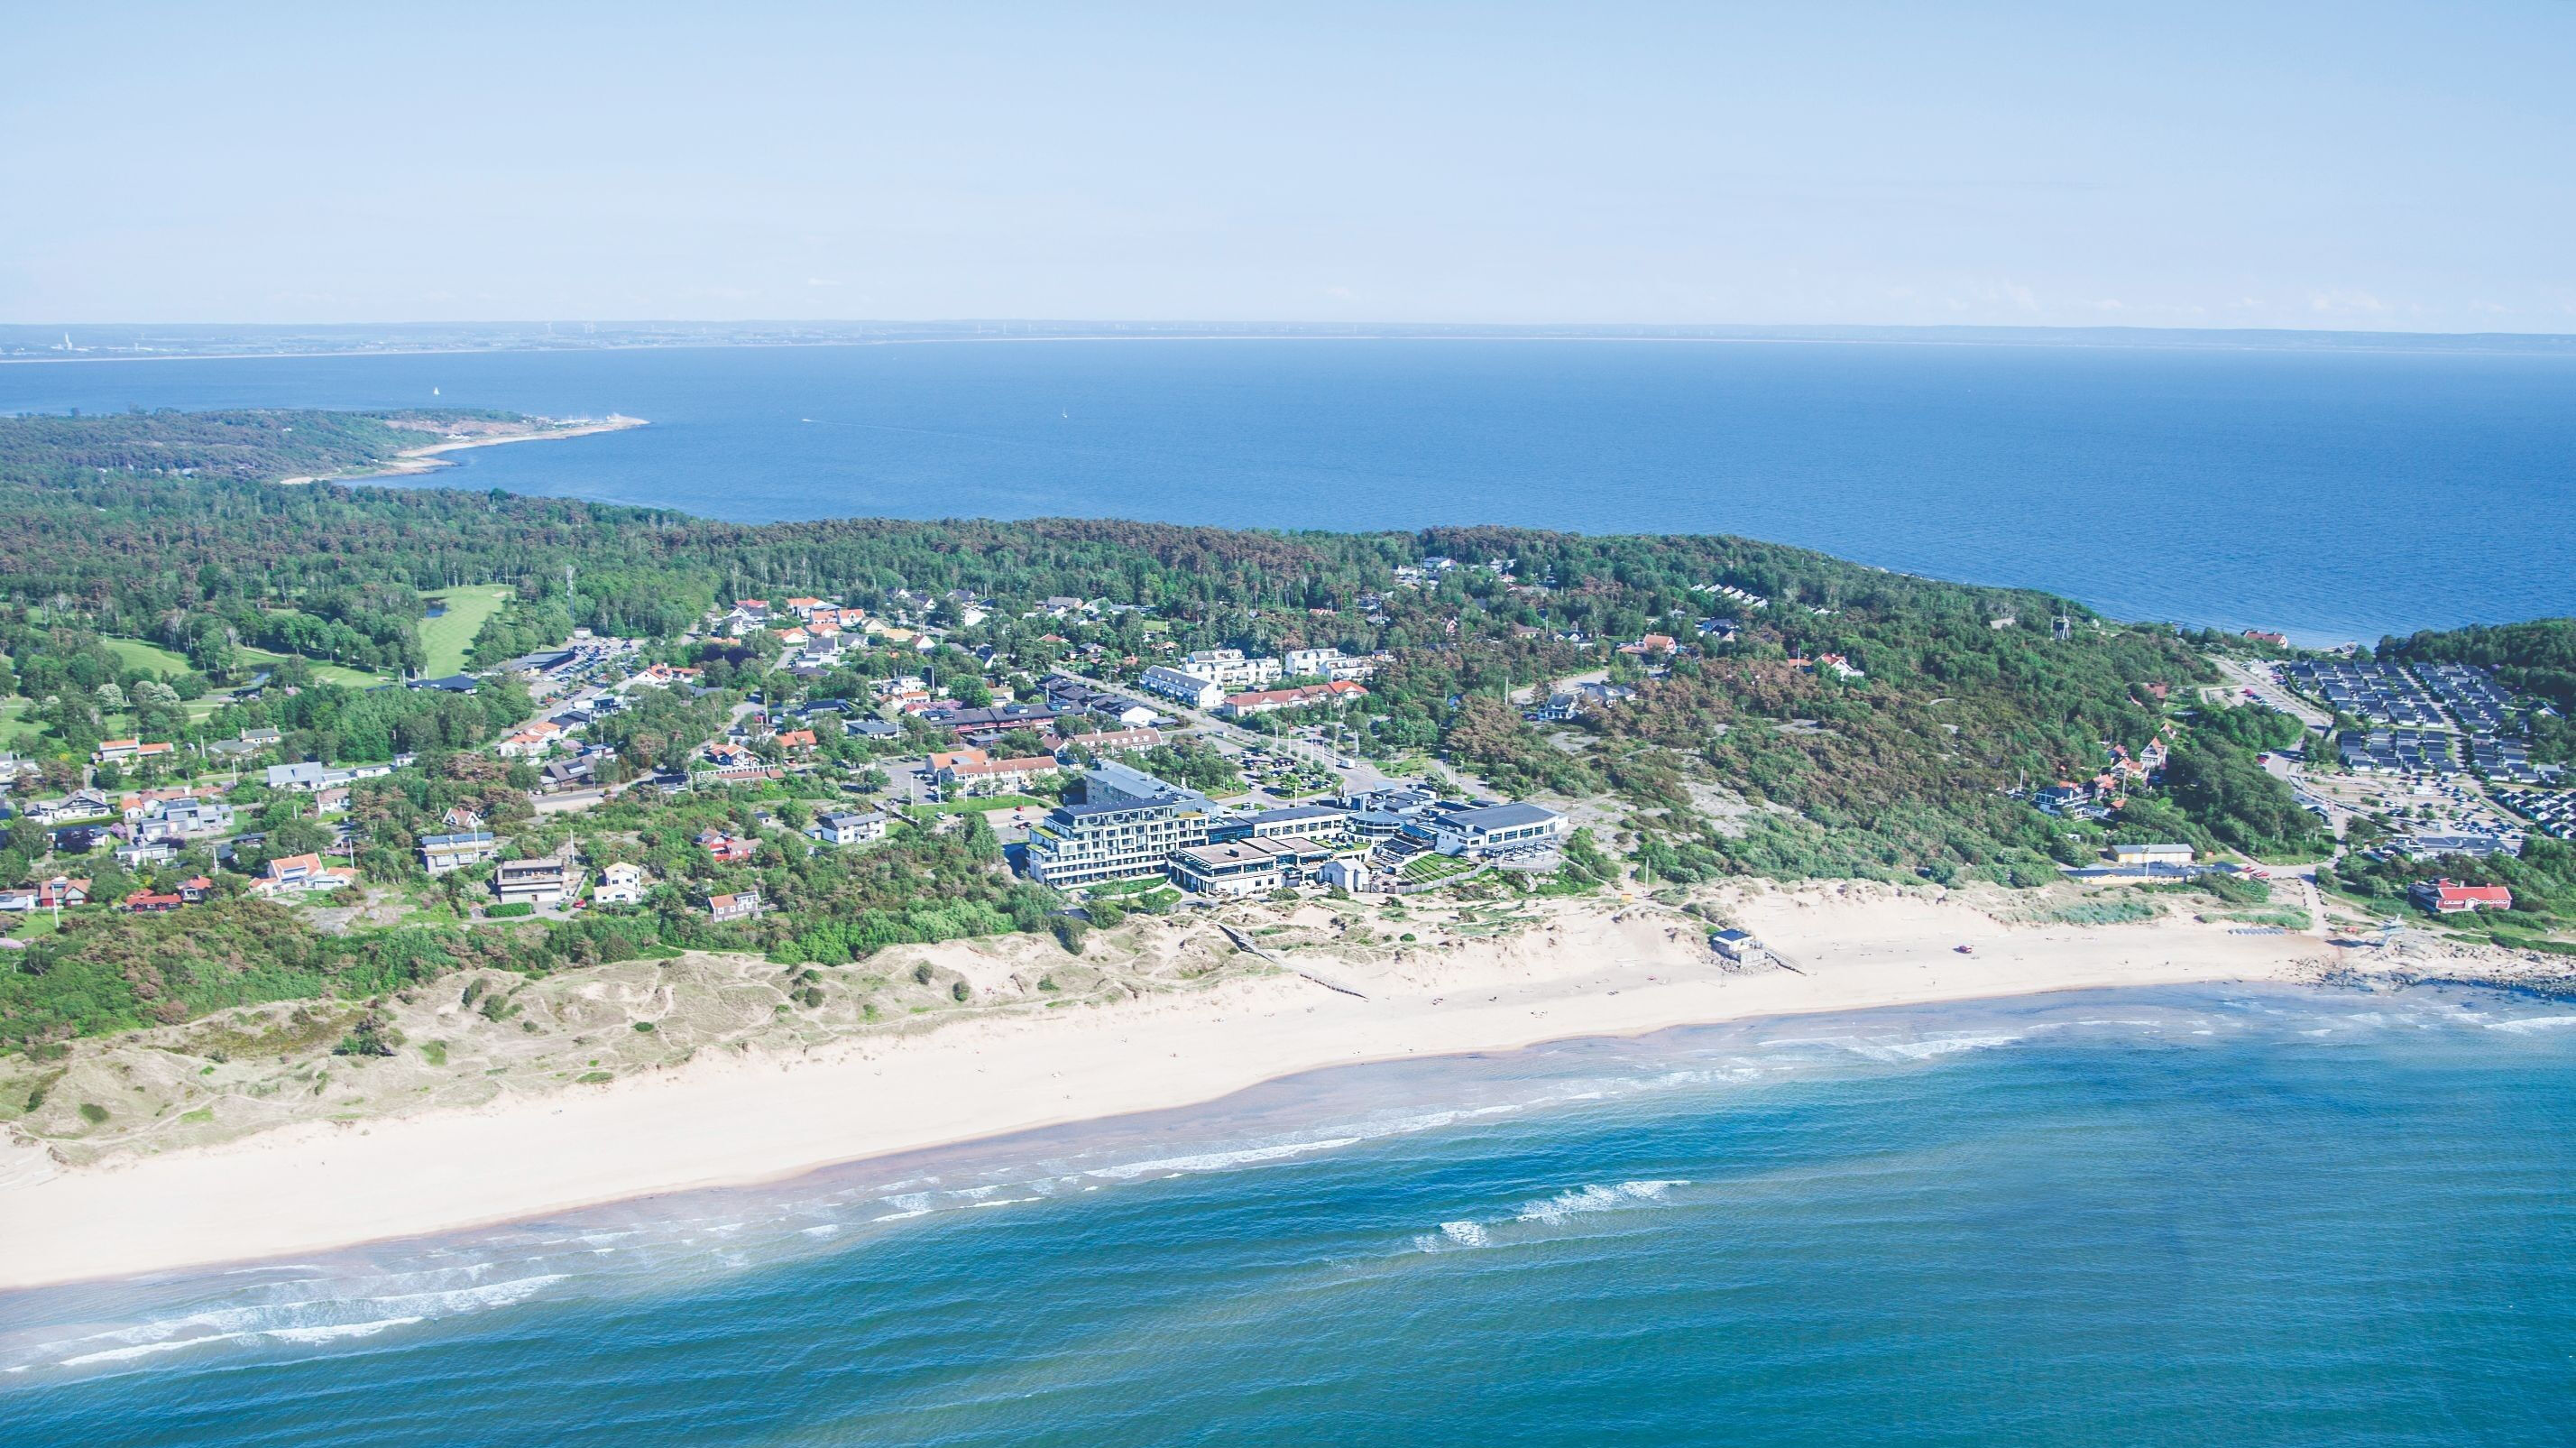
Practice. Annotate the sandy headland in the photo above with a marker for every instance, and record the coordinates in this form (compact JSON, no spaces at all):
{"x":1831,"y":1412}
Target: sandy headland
{"x":477,"y":432}
{"x":242,"y":1137}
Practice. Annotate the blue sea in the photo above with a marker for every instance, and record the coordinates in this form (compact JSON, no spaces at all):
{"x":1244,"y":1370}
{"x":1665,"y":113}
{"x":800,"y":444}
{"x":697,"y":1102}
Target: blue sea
{"x":2335,"y":494}
{"x":2179,"y":1216}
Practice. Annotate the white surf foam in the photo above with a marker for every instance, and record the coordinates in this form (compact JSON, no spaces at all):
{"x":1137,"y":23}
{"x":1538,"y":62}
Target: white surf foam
{"x":1466,"y":1234}
{"x":145,"y":1349}
{"x":1220,"y":1160}
{"x":337,"y":1332}
{"x":2530,"y":1024}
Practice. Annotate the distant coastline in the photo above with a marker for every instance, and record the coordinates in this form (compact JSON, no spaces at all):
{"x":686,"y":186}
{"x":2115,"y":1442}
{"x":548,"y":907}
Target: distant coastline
{"x":145,"y":343}
{"x":412,"y":462}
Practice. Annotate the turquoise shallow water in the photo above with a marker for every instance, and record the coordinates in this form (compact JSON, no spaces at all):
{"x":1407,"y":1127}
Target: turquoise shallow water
{"x":2338,"y":495}
{"x":2174,"y":1217}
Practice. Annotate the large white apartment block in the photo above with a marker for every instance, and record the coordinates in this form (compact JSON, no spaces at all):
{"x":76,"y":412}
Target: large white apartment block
{"x":1327,"y":663}
{"x":1190,"y":689}
{"x":1202,"y":678}
{"x":1087,"y":844}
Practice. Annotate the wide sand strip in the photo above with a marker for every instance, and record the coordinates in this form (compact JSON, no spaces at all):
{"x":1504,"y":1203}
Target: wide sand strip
{"x":731,"y":1119}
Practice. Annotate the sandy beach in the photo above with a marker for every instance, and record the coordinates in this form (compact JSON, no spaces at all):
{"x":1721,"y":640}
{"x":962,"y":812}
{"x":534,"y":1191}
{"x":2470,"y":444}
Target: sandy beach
{"x":741,"y":1116}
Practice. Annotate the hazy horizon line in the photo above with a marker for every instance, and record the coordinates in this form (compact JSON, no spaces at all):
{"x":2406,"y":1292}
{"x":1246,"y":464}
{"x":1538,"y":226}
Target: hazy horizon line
{"x":28,"y":342}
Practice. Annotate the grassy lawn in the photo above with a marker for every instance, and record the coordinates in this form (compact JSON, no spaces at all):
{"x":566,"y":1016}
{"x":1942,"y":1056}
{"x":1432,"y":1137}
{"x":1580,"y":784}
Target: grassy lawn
{"x":327,"y":673}
{"x":1424,"y":869}
{"x":1112,"y":889}
{"x":150,"y":656}
{"x":32,"y":924}
{"x":446,"y":638}
{"x":984,"y":804}
{"x":16,"y":730}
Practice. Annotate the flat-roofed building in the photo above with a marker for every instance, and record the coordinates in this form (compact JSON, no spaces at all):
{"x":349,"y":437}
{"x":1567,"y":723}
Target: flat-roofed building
{"x":1247,"y":867}
{"x":848,"y":827}
{"x":1478,"y":831}
{"x":442,"y":854}
{"x":1319,"y":821}
{"x":548,"y":881}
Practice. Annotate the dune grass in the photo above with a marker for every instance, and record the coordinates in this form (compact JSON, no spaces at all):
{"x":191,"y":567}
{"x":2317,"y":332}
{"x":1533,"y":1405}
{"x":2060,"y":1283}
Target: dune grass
{"x":446,"y":638}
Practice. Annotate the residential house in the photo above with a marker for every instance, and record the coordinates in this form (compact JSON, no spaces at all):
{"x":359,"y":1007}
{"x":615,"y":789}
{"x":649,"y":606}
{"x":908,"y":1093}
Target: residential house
{"x":2156,"y":854}
{"x":301,"y":874}
{"x":310,"y":776}
{"x":530,"y":742}
{"x":62,"y":892}
{"x":1188,"y":688}
{"x":725,"y":848}
{"x":742,"y":905}
{"x":160,"y":850}
{"x":1326,"y":663}
{"x":2450,"y":897}
{"x":446,"y":854}
{"x":1266,"y":701}
{"x":130,"y":751}
{"x":620,"y":884}
{"x":194,"y":817}
{"x":1112,"y":740}
{"x":995,"y":720}
{"x":1582,"y":699}
{"x":844,"y":827}
{"x":940,"y":761}
{"x":80,"y":804}
{"x":2060,"y":798}
{"x":663,"y":676}
{"x":547,"y":881}
{"x":144,"y":902}
{"x":997,"y":776}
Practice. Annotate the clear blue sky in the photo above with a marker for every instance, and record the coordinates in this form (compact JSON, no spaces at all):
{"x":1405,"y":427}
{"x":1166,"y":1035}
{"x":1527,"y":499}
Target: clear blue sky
{"x":2355,"y":166}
